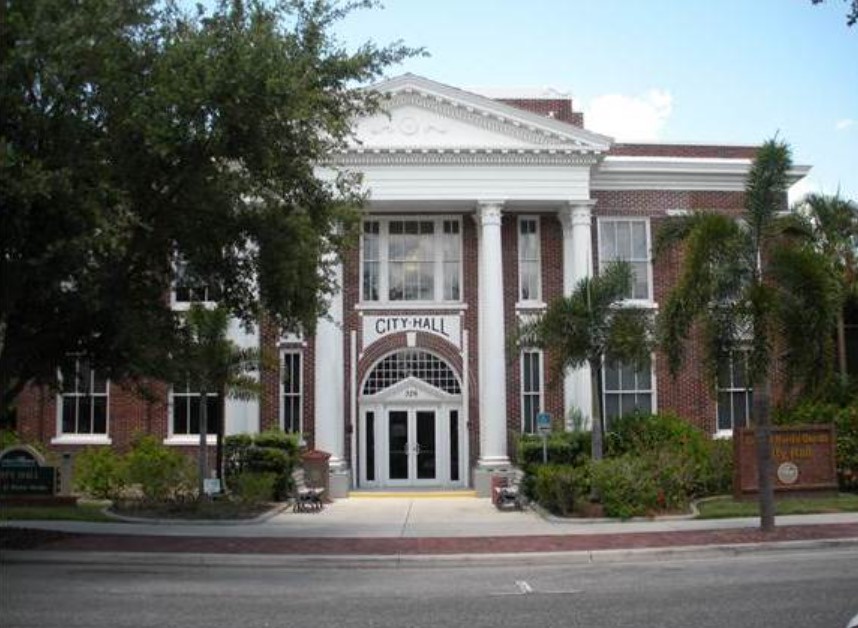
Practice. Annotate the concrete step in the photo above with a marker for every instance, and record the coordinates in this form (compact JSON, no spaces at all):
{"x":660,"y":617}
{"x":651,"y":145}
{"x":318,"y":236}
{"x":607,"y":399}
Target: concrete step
{"x":412,"y":494}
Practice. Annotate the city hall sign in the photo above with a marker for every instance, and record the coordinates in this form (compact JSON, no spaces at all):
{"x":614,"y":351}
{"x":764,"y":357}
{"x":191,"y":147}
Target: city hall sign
{"x":444,"y":326}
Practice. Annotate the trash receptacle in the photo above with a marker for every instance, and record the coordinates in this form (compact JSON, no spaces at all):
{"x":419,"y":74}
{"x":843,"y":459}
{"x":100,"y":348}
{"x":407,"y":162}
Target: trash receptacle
{"x":317,"y":469}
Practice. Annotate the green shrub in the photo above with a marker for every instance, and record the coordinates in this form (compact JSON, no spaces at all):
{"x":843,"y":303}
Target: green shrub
{"x":254,"y":488}
{"x":716,"y":477}
{"x":626,"y":485}
{"x":845,"y":420}
{"x":272,"y":451}
{"x":558,"y":488}
{"x":163,"y":475}
{"x":564,"y":448}
{"x":100,"y":472}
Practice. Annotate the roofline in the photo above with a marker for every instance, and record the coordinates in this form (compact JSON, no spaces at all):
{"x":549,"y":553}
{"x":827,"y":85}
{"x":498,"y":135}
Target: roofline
{"x":496,"y":107}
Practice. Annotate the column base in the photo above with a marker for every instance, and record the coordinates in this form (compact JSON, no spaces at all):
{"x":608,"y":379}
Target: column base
{"x":483,"y":472}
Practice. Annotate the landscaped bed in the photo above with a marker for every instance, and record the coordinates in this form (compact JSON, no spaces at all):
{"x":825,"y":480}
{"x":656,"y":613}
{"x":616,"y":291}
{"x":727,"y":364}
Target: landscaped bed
{"x":725,"y":507}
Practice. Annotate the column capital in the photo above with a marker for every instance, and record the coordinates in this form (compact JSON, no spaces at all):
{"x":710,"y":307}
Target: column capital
{"x":576,"y":213}
{"x":489,"y":212}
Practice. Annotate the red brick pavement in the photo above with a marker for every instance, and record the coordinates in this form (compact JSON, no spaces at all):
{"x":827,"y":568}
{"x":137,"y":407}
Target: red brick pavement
{"x":53,"y":541}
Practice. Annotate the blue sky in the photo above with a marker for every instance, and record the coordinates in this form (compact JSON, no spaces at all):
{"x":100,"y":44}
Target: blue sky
{"x":731,"y":71}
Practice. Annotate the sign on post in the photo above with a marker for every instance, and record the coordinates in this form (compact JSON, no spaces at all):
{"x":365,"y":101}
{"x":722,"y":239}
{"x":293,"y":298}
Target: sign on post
{"x":543,"y":426}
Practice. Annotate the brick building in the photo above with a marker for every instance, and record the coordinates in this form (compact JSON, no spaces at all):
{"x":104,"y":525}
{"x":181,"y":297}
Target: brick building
{"x":481,"y":211}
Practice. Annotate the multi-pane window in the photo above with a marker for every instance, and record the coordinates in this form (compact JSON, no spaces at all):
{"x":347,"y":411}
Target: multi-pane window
{"x":186,"y":411}
{"x":371,"y":260}
{"x":735,"y":393}
{"x":528,"y":260}
{"x":290,"y":381}
{"x":411,"y":363}
{"x":188,"y":289}
{"x":451,"y":256}
{"x":531,"y":389}
{"x":627,"y":389}
{"x":411,"y":260}
{"x":84,"y":399}
{"x":628,"y":241}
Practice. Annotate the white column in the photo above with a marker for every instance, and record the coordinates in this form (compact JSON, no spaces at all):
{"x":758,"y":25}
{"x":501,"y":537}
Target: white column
{"x":329,"y":379}
{"x":576,"y":219}
{"x":492,"y":339}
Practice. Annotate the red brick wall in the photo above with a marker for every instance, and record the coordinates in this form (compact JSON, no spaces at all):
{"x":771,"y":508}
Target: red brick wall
{"x":683,"y":150}
{"x":557,"y":108}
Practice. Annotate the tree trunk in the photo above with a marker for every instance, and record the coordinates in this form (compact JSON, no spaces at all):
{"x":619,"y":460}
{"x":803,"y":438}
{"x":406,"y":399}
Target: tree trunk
{"x":221,"y":426}
{"x":203,"y":453}
{"x":596,"y":450}
{"x":763,"y":428}
{"x":841,"y":344}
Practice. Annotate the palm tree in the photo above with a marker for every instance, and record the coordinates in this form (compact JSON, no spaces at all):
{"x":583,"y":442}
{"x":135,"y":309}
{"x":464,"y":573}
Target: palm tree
{"x":829,"y":225}
{"x":211,"y":362}
{"x":591,"y":326}
{"x":745,"y":284}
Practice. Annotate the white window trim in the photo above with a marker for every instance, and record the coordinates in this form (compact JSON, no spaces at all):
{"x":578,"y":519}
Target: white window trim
{"x":649,"y":302}
{"x":72,"y":438}
{"x":653,"y":390}
{"x":184,"y":439}
{"x":522,"y":392}
{"x":383,"y":301}
{"x":721,"y":433}
{"x":300,"y":395}
{"x":538,"y":301}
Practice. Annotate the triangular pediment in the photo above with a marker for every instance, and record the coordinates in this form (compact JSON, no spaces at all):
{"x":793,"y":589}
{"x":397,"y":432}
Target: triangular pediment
{"x":411,"y":389}
{"x":422,"y":115}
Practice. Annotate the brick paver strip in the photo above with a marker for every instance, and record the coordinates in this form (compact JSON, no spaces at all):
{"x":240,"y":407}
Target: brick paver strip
{"x":437,"y":545}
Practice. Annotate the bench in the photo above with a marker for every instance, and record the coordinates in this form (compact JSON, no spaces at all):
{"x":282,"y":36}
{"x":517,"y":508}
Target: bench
{"x":306,"y":497}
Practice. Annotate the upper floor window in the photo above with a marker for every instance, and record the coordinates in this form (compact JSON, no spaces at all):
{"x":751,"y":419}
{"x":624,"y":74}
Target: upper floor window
{"x":627,"y":389}
{"x":188,"y":289}
{"x":628,"y":240}
{"x":411,"y":260}
{"x":735,"y":393}
{"x":83,"y":399}
{"x":529,"y":266}
{"x":290,"y":382}
{"x":531,"y":389}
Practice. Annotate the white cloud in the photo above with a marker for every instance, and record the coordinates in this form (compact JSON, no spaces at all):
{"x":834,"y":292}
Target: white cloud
{"x":843,"y":124}
{"x":625,"y":118}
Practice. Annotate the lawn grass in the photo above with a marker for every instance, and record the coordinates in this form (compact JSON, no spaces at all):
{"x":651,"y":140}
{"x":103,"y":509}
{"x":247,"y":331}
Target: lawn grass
{"x":722,"y":508}
{"x":82,"y":512}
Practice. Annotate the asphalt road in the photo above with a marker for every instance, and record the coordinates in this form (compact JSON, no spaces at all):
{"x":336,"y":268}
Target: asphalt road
{"x":802,"y":589}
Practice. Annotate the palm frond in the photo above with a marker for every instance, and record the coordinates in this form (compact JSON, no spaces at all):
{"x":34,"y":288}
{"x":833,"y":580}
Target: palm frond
{"x":766,"y":186}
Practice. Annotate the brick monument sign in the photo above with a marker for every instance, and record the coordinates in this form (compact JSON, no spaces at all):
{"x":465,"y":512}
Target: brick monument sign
{"x":803,"y":460}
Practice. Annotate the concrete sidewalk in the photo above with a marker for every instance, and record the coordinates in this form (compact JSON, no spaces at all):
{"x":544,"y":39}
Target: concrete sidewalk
{"x":440,"y":525}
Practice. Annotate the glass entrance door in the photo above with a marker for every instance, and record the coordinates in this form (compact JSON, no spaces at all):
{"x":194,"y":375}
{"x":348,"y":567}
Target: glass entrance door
{"x":412,"y":438}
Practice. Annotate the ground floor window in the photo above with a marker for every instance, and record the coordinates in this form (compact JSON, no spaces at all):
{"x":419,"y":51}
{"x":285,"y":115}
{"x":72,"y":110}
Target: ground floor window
{"x":83,"y":399}
{"x":531,"y":389}
{"x":291,"y":386}
{"x":627,"y":389}
{"x":735,"y":394}
{"x":186,"y":411}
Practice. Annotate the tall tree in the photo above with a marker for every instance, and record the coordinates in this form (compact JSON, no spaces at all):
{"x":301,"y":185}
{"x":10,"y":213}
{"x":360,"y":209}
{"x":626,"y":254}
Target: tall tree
{"x":829,"y":226}
{"x":590,"y":327}
{"x":131,"y":131}
{"x":851,"y":14}
{"x":735,"y":276}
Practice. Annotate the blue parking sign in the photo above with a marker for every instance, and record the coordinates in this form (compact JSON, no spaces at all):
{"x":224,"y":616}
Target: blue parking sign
{"x":543,"y":422}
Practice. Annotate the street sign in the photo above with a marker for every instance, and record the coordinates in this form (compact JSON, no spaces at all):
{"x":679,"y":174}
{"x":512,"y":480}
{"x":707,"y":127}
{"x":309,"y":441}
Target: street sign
{"x":543,"y":422}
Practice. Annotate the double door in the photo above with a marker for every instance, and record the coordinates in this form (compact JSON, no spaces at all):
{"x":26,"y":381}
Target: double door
{"x":412,"y":446}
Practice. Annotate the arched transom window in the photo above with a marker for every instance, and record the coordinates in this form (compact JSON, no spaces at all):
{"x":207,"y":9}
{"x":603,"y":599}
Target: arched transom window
{"x":411,"y":363}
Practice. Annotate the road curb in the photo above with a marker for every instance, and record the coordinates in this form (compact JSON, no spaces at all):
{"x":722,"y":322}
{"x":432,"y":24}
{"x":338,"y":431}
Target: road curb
{"x":180,"y":559}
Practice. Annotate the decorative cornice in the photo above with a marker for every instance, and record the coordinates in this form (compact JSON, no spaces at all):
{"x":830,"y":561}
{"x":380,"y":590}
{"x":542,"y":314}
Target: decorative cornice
{"x":460,"y":157}
{"x":677,"y":173}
